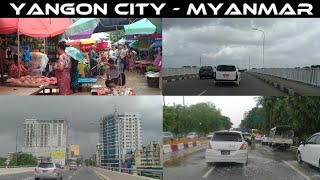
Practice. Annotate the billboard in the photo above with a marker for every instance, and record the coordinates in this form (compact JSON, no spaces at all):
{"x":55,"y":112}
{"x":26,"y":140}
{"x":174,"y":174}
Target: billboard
{"x":58,"y":154}
{"x":75,"y":150}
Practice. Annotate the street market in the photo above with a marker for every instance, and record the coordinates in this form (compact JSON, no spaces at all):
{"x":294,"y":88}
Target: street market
{"x":80,"y":56}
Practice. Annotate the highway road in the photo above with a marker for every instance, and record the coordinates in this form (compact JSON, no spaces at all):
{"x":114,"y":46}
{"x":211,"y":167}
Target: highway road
{"x":82,"y":173}
{"x":264,"y":163}
{"x":249,"y":85}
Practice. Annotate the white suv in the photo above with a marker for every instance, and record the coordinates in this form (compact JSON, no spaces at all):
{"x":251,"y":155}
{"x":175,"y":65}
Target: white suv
{"x":309,"y":151}
{"x":227,"y":73}
{"x":227,"y":146}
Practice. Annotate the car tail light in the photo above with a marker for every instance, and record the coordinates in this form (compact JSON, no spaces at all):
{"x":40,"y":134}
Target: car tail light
{"x":209,"y":146}
{"x":243,"y":147}
{"x":54,"y":171}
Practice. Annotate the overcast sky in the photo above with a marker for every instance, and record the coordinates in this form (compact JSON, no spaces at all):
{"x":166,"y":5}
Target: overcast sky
{"x":80,"y":111}
{"x":231,"y":106}
{"x":288,"y":42}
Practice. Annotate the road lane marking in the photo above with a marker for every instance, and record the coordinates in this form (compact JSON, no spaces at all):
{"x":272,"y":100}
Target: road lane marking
{"x":295,"y":169}
{"x":69,"y":177}
{"x":30,"y":178}
{"x":203,"y":92}
{"x":207,"y":173}
{"x":74,"y":173}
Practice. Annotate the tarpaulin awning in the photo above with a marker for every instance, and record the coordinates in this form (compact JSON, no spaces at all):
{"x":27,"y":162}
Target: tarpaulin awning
{"x":143,"y":26}
{"x":88,"y":41}
{"x":34,"y":27}
{"x":139,"y":44}
{"x":82,"y":28}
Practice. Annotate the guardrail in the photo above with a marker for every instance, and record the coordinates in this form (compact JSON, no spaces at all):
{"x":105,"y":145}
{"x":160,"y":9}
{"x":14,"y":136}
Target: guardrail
{"x":309,"y":76}
{"x":16,"y":167}
{"x":167,"y":72}
{"x":156,"y":174}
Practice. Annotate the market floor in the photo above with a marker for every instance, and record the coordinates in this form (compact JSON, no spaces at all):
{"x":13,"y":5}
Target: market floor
{"x":134,"y":80}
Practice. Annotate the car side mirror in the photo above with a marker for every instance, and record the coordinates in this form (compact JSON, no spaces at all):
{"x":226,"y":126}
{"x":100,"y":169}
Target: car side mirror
{"x":303,"y":143}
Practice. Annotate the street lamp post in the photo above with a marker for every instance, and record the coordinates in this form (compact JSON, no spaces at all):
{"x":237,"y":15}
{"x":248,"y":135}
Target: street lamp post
{"x":262,"y":45}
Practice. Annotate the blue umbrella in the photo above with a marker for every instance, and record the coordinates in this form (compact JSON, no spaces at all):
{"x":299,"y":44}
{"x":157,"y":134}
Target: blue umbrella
{"x":75,"y":54}
{"x":156,"y":44}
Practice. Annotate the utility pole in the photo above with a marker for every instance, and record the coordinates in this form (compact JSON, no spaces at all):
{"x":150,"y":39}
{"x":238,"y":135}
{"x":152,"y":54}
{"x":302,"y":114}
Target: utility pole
{"x":183,"y":100}
{"x":249,"y":62}
{"x":200,"y":61}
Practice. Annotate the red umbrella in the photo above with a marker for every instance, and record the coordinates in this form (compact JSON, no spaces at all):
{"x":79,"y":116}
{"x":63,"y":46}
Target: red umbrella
{"x":34,"y":27}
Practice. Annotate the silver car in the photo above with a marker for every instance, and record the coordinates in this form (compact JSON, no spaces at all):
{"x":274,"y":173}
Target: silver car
{"x":48,"y":170}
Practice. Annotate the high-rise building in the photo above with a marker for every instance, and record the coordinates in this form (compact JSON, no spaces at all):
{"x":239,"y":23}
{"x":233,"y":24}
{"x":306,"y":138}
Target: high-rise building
{"x":123,"y":127}
{"x":46,"y":139}
{"x":150,"y":156}
{"x":74,"y":150}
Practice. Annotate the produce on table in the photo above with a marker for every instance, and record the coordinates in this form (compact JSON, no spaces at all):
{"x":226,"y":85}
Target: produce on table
{"x":33,"y":80}
{"x":117,"y":91}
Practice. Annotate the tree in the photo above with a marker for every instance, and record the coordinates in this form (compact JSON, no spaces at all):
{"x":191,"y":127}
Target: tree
{"x":227,"y":124}
{"x":115,"y":36}
{"x":79,"y":161}
{"x":3,"y":161}
{"x":24,"y":160}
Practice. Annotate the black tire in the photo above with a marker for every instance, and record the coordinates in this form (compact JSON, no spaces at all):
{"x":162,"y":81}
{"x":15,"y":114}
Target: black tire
{"x":36,"y":178}
{"x":299,"y":159}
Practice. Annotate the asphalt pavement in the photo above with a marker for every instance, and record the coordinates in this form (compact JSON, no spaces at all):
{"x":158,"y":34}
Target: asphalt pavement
{"x":249,"y":85}
{"x":264,"y":163}
{"x":82,"y":173}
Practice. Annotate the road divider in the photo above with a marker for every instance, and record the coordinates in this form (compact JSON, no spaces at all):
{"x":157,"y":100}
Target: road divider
{"x":8,"y":171}
{"x":169,"y":79}
{"x":181,"y":150}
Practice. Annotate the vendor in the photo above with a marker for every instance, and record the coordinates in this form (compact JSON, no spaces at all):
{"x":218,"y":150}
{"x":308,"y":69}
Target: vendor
{"x":93,"y":56}
{"x":17,"y":69}
{"x":113,"y":74}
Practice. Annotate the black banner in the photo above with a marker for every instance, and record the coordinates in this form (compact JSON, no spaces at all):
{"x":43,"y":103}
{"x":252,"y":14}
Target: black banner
{"x":173,"y":8}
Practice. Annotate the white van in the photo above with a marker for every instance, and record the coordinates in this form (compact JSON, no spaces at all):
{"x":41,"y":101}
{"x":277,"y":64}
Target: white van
{"x":227,"y":73}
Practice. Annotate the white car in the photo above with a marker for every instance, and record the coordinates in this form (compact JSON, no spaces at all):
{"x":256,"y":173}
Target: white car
{"x":227,"y":146}
{"x":265,"y":139}
{"x":309,"y":151}
{"x":227,"y":73}
{"x":192,"y":135}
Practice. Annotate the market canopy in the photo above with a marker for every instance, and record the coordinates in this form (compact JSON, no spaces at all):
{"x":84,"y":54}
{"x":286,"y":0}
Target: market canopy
{"x":82,"y":28}
{"x":34,"y":27}
{"x":112,"y":24}
{"x":143,"y":26}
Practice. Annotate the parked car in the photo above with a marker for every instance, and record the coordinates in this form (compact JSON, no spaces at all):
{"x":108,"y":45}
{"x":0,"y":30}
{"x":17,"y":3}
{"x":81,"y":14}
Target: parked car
{"x":210,"y":135}
{"x":309,"y":151}
{"x":206,"y":72}
{"x":192,"y":135}
{"x":247,"y":137}
{"x":227,"y":73}
{"x":264,"y":139}
{"x":48,"y":170}
{"x":227,"y":146}
{"x":167,"y":136}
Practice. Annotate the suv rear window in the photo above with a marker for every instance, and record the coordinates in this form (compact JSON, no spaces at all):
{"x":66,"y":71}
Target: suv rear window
{"x":206,"y":68}
{"x":235,"y":137}
{"x":46,"y":165}
{"x":226,"y":68}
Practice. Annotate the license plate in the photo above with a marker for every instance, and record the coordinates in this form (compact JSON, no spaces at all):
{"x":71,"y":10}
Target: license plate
{"x":44,"y":171}
{"x":225,"y":152}
{"x":226,"y":75}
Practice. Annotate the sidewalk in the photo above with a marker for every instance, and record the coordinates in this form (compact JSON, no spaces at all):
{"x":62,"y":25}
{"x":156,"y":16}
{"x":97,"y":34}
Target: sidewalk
{"x":290,"y":87}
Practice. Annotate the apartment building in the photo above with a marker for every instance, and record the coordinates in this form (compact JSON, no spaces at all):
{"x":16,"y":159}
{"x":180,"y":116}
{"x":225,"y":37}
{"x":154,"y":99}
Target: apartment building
{"x":46,"y":138}
{"x":149,"y":156}
{"x":98,"y":155}
{"x":120,"y":136}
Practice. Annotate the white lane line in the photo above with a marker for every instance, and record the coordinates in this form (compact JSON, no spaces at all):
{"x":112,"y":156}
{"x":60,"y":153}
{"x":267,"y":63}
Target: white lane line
{"x":69,"y":177}
{"x":30,"y":178}
{"x":74,"y":173}
{"x":203,"y":92}
{"x":295,"y":169}
{"x":207,"y":173}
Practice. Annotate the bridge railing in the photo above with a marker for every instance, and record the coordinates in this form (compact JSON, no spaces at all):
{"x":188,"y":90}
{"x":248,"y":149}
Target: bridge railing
{"x":305,"y":75}
{"x":156,"y":174}
{"x":180,"y":71}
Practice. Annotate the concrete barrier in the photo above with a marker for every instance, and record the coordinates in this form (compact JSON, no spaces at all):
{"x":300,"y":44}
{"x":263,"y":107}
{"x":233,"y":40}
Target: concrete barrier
{"x":114,"y":175}
{"x":7,"y":171}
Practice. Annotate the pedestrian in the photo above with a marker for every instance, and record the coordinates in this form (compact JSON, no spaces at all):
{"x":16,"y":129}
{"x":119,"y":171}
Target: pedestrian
{"x":120,"y":55}
{"x":74,"y":74}
{"x":62,"y":69}
{"x":131,"y":59}
{"x":93,"y":61}
{"x":113,"y":74}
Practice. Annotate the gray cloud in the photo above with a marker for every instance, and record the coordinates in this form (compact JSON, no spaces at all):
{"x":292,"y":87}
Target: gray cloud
{"x":288,"y":42}
{"x":80,"y":112}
